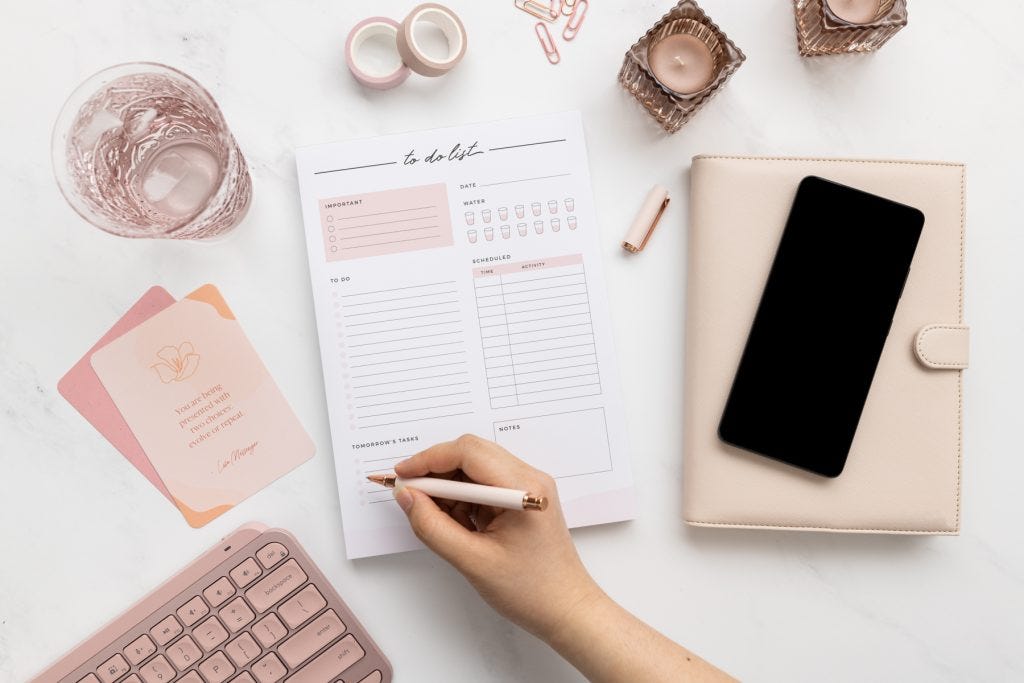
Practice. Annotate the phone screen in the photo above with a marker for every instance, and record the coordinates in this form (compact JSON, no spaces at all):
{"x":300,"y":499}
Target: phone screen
{"x":819,"y":330}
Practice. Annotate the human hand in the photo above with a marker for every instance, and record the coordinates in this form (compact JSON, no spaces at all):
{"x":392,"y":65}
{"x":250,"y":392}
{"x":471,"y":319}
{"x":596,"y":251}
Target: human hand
{"x":523,"y":563}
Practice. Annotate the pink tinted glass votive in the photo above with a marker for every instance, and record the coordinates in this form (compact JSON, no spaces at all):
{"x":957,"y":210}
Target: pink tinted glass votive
{"x":844,"y":26}
{"x":143,"y":150}
{"x":672,"y":108}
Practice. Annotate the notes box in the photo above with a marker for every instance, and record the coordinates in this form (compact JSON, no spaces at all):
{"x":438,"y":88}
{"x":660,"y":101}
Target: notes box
{"x":386,"y":222}
{"x":564,"y":444}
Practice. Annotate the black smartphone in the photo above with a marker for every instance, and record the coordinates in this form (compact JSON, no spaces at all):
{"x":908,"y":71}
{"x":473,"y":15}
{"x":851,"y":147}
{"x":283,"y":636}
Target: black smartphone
{"x":819,"y":330}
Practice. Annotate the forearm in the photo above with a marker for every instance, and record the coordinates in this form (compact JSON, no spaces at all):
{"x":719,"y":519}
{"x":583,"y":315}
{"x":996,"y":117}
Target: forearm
{"x":609,"y":645}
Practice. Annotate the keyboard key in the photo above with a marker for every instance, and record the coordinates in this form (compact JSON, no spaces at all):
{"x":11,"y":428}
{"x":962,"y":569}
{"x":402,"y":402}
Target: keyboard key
{"x":375,"y":677}
{"x":246,"y":677}
{"x":218,"y":593}
{"x":166,"y":630}
{"x":184,"y":653}
{"x":193,"y":610}
{"x":245,"y":573}
{"x":307,"y":642}
{"x":269,"y":630}
{"x":217,"y":668}
{"x":276,"y":585}
{"x":134,"y":678}
{"x":191,"y":677}
{"x":112,"y":669}
{"x":237,"y":614}
{"x":269,"y":669}
{"x":157,"y":670}
{"x":210,"y":634}
{"x":297,"y":609}
{"x":139,"y":649}
{"x":242,"y":649}
{"x":271,"y":554}
{"x":336,"y":659}
{"x":89,"y":678}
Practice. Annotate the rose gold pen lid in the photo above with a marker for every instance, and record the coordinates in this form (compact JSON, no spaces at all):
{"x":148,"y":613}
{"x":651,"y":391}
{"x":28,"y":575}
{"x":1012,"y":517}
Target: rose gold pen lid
{"x":646,"y":220}
{"x":532,"y":502}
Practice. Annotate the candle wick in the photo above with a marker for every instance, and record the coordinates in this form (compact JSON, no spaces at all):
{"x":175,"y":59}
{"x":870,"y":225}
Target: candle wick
{"x":681,"y":62}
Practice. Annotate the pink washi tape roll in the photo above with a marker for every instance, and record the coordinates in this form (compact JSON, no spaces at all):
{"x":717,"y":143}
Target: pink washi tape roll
{"x":368,"y":73}
{"x":412,"y":50}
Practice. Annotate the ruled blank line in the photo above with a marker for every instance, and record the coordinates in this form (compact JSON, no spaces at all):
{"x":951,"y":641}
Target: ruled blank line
{"x":563,"y":367}
{"x":546,"y":317}
{"x":356,"y":168}
{"x":525,"y":144}
{"x":524,"y":180}
{"x":536,"y":289}
{"x":422,"y":367}
{"x":415,"y":410}
{"x":411,"y":400}
{"x":533,"y":310}
{"x":377,"y":244}
{"x":404,"y":360}
{"x":408,"y":317}
{"x":407,"y":348}
{"x":404,"y":308}
{"x":406,"y":391}
{"x":421,"y":336}
{"x":395,"y":289}
{"x":539,"y":381}
{"x":529,"y":301}
{"x":400,"y":220}
{"x":542,"y":329}
{"x":544,"y":391}
{"x":402,"y":298}
{"x":414,"y":379}
{"x":531,"y":279}
{"x":387,"y":232}
{"x":418,"y":419}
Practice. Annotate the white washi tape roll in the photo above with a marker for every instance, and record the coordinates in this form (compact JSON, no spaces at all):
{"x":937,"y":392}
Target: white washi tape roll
{"x":412,"y":50}
{"x":366,"y":72}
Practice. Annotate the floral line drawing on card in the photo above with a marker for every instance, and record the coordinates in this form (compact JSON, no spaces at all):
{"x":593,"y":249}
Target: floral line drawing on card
{"x":176,"y":363}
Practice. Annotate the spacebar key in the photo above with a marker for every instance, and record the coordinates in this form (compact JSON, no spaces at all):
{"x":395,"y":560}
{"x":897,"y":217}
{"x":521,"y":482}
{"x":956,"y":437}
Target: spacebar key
{"x":334,"y":660}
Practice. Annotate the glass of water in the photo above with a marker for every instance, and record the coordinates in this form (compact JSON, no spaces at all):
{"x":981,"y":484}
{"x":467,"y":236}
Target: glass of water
{"x":142,"y":150}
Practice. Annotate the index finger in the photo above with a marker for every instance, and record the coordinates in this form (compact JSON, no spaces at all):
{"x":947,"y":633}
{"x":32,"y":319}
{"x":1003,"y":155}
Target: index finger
{"x":483,"y":461}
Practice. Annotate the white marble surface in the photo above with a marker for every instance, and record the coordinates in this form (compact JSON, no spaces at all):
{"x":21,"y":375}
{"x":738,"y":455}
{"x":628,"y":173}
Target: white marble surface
{"x":82,"y":534}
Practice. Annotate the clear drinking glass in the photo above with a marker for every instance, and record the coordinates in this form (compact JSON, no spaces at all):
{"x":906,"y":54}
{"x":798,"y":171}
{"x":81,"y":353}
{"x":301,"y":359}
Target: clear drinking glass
{"x":142,"y":150}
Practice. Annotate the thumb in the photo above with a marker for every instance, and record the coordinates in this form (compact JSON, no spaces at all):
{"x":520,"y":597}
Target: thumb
{"x":434,"y":527}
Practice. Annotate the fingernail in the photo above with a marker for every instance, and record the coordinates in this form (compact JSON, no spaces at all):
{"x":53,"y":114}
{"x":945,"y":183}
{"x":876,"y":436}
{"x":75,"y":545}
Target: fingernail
{"x":404,"y":498}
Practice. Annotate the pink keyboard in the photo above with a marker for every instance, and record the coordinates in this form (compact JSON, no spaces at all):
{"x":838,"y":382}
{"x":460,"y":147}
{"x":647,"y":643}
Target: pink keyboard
{"x":254,"y":609}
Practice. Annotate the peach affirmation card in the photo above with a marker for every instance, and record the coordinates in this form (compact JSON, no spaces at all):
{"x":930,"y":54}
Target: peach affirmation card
{"x":202,"y":405}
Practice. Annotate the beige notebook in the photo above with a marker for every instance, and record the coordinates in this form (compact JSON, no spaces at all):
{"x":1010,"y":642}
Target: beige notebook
{"x":903,"y":471}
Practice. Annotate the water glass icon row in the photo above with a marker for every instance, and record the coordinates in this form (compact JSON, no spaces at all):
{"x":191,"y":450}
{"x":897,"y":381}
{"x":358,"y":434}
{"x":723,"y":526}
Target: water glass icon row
{"x":536,"y":208}
{"x":522,"y":228}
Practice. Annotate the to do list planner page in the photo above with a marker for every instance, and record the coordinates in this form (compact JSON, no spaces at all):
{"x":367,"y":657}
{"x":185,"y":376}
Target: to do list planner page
{"x":458,"y":287}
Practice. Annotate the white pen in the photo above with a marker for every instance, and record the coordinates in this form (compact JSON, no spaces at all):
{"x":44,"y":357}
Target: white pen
{"x":464,"y":491}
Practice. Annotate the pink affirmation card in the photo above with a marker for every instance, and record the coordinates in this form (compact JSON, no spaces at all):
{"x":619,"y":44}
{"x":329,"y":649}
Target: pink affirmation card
{"x":202,"y":405}
{"x":82,"y":388}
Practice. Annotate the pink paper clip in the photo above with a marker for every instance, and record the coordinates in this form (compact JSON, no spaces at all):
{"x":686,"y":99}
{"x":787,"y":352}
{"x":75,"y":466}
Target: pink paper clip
{"x":538,"y":9}
{"x":579,"y":13}
{"x":568,"y":7}
{"x":547,"y":42}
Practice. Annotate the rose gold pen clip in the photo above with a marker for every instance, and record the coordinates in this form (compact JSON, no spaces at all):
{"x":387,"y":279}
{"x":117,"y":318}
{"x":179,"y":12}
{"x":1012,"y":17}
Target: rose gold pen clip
{"x":645,"y":221}
{"x":464,"y":491}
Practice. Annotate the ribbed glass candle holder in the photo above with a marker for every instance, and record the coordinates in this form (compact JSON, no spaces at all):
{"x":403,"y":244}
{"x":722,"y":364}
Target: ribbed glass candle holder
{"x":822,"y":31}
{"x":671,"y":108}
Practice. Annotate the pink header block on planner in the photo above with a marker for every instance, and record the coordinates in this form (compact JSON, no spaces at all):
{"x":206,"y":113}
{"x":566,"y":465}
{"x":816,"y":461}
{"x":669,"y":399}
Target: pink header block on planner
{"x":388,"y":222}
{"x":528,"y":266}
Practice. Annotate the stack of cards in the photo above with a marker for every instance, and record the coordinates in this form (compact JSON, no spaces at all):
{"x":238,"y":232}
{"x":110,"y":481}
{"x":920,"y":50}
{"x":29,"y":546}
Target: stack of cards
{"x":178,"y":389}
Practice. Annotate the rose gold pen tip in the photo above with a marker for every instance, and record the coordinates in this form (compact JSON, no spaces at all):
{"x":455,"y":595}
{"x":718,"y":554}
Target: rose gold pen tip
{"x":382,"y":479}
